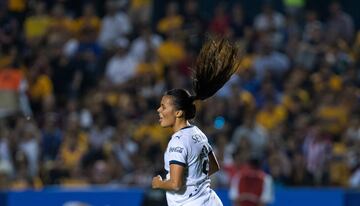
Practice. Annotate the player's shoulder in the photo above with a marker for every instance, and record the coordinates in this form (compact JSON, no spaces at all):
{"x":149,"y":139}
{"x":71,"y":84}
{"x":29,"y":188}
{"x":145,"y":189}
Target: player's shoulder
{"x":184,"y":134}
{"x":186,"y":131}
{"x":192,"y":135}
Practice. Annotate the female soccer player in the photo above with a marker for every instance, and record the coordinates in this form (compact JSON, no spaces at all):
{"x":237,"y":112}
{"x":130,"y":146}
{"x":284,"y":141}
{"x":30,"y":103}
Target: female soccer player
{"x":189,"y":159}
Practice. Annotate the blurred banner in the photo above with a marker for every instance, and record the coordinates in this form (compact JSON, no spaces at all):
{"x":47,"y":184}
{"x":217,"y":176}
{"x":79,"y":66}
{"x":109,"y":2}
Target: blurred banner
{"x":73,"y":197}
{"x":135,"y":197}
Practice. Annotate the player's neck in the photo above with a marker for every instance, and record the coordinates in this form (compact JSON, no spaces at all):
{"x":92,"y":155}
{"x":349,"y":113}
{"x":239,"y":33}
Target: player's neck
{"x":179,"y":124}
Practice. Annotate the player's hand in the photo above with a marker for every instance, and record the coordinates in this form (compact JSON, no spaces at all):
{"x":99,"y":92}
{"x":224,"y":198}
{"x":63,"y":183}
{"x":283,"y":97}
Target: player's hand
{"x":156,"y":182}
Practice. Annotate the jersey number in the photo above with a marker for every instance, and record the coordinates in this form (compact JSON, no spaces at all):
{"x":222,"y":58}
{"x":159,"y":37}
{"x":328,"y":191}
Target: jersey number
{"x":205,"y":160}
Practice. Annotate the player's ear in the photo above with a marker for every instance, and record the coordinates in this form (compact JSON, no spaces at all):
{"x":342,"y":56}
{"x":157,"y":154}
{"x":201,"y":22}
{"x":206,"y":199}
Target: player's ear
{"x":179,"y":113}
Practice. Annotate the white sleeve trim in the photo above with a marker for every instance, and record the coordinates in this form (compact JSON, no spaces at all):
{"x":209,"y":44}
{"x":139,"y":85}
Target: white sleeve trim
{"x":267,"y":195}
{"x":234,"y":188}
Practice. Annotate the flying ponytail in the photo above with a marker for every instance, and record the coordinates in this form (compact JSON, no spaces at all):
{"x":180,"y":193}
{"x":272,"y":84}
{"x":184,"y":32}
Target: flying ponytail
{"x":214,"y":66}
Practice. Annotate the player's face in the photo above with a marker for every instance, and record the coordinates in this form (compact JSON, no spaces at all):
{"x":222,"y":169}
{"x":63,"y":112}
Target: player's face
{"x":167,"y":112}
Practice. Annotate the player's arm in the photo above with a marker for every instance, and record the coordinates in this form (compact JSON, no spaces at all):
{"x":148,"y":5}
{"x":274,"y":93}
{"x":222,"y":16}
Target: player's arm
{"x":267,"y":195}
{"x":175,"y":182}
{"x":213,"y":164}
{"x":234,"y":189}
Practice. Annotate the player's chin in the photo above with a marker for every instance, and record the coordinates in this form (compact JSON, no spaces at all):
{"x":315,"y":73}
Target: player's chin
{"x":164,"y":124}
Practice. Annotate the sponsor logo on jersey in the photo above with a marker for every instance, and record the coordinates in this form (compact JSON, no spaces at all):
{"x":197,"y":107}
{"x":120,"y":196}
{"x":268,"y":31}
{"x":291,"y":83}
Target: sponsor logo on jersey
{"x":197,"y":138}
{"x":176,"y":149}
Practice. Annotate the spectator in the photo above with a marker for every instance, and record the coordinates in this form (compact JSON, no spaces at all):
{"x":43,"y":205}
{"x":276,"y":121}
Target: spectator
{"x":277,"y":162}
{"x":84,"y":64}
{"x":220,"y":24}
{"x":294,"y":7}
{"x":72,"y":149}
{"x":172,"y":50}
{"x":354,"y":181}
{"x":51,"y":138}
{"x":194,"y":25}
{"x":22,"y":180}
{"x":60,"y":23}
{"x":37,"y":24}
{"x":40,"y":84}
{"x":352,"y":133}
{"x":29,"y":140}
{"x":316,"y":146}
{"x":332,"y":114}
{"x":340,"y":25}
{"x":122,"y":66}
{"x":6,"y":171}
{"x":88,"y":20}
{"x":354,"y":156}
{"x":239,"y":22}
{"x":123,"y":147}
{"x":270,"y":60}
{"x":141,"y":12}
{"x":9,"y":32}
{"x":172,"y":20}
{"x":300,"y":176}
{"x":271,"y":115}
{"x":254,"y":133}
{"x":6,"y":161}
{"x":114,"y":25}
{"x":100,"y":133}
{"x":147,"y":42}
{"x":101,"y":173}
{"x":150,"y":129}
{"x":251,"y":186}
{"x":271,"y":22}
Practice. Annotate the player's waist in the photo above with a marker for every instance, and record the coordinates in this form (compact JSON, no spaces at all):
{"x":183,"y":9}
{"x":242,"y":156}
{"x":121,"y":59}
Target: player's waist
{"x":188,"y":194}
{"x":197,"y":182}
{"x":193,"y":182}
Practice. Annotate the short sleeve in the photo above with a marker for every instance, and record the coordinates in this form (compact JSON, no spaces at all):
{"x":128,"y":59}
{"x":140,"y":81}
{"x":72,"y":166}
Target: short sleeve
{"x":234,"y":188}
{"x":210,"y":149}
{"x":267,"y":195}
{"x":177,"y":152}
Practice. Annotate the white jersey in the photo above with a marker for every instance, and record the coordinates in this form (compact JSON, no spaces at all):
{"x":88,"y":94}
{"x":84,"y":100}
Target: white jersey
{"x":189,"y":147}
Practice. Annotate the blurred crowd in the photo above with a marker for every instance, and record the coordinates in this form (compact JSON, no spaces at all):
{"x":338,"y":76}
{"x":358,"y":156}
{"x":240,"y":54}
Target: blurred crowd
{"x":85,"y":79}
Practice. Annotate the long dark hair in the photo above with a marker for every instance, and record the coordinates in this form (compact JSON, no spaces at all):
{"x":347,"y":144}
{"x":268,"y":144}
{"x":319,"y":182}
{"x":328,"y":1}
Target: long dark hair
{"x":215,"y":64}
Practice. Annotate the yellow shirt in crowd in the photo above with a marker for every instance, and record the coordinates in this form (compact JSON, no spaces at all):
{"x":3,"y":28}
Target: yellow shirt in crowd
{"x":289,"y":102}
{"x":41,"y":88}
{"x":270,"y":119}
{"x":155,"y":132}
{"x":339,"y":169}
{"x":82,"y":22}
{"x":136,"y":4}
{"x":170,"y":23}
{"x":36,"y":26}
{"x":334,"y":83}
{"x":334,"y":118}
{"x":171,"y":52}
{"x":71,"y":158}
{"x":64,"y":24}
{"x":151,"y":67}
{"x":17,"y":5}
